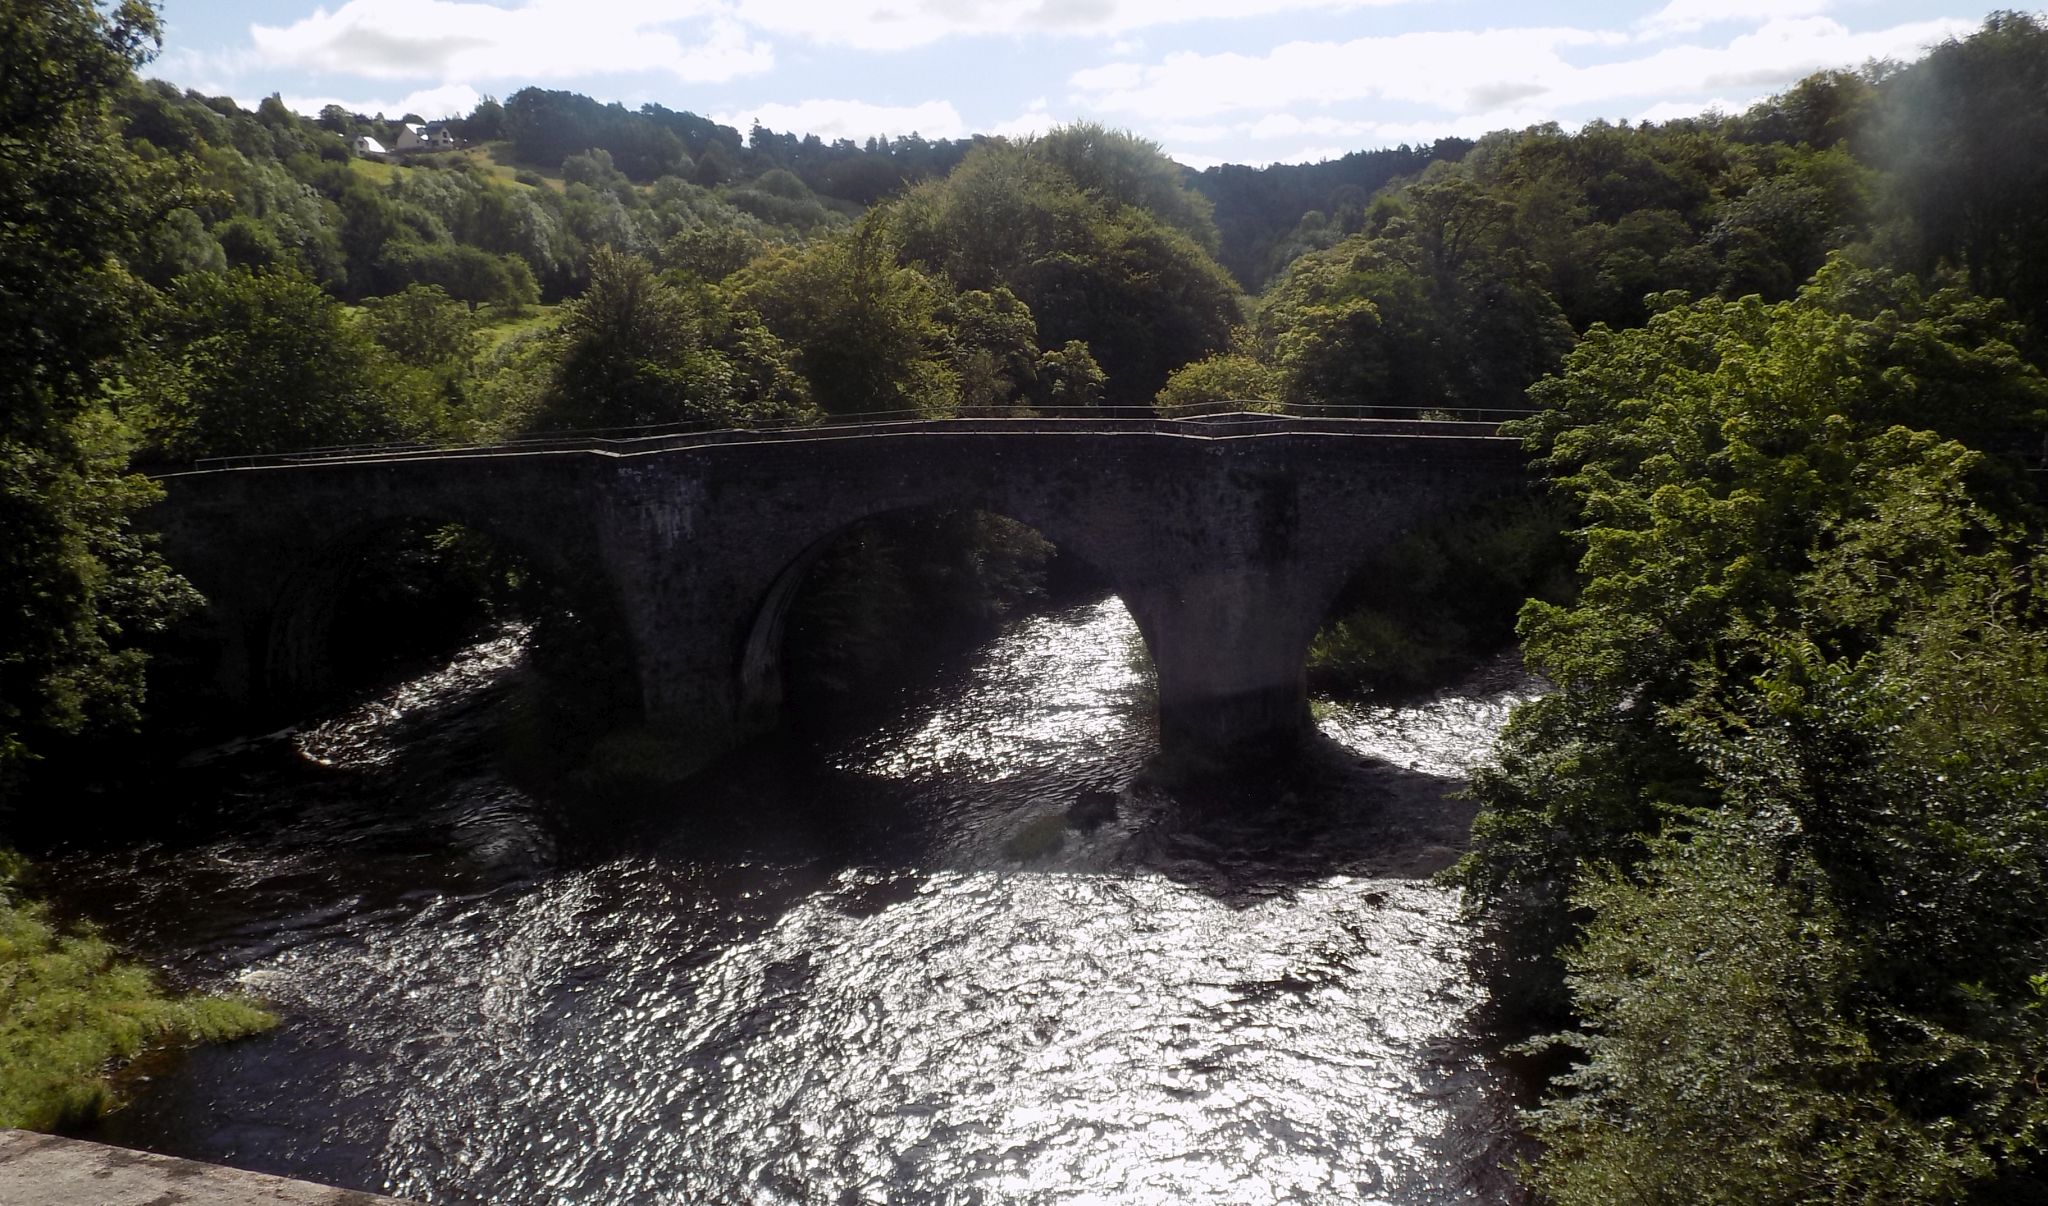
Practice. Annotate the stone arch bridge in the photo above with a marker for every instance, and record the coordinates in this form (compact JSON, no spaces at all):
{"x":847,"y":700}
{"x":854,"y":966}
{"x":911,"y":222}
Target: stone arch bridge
{"x":1228,"y":538}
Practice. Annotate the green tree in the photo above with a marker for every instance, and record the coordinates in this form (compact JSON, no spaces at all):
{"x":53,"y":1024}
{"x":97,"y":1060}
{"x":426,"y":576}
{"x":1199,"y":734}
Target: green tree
{"x":1706,"y":454}
{"x":1123,"y":169}
{"x":466,"y":273}
{"x":1090,"y":265}
{"x":1232,"y":377}
{"x":1442,"y":308}
{"x":423,"y":327}
{"x":79,"y":587}
{"x":1720,"y":1067}
{"x":255,"y":362}
{"x":1069,"y":376}
{"x":711,"y":252}
{"x":869,"y":334}
{"x":637,"y":351}
{"x":1790,"y":770}
{"x":1965,"y":137}
{"x":994,"y":349}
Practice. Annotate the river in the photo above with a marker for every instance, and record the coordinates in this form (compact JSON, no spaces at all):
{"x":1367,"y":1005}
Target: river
{"x":884,"y":966}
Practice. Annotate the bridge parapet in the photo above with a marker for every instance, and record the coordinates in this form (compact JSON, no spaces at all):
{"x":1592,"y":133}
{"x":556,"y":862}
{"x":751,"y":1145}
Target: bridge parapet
{"x":1211,"y":424}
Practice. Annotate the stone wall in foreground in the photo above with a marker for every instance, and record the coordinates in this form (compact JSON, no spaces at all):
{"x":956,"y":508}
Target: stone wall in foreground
{"x":44,"y":1170}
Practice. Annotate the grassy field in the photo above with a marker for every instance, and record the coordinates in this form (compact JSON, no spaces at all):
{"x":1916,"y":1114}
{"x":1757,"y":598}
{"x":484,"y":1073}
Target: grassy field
{"x":484,"y":158}
{"x":495,"y":160}
{"x":374,"y":169}
{"x":500,"y":331}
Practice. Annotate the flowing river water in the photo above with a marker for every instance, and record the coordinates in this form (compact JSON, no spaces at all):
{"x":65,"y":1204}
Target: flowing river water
{"x":966,"y":953}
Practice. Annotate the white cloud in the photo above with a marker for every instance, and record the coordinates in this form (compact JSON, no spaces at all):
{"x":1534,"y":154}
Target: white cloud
{"x":1665,"y":111}
{"x":1479,"y":75}
{"x":857,"y":120}
{"x":1036,"y":119}
{"x":1455,"y":70}
{"x":1772,"y":58}
{"x":1691,"y":16}
{"x":407,"y":39}
{"x":200,"y":69}
{"x":1182,"y":132}
{"x":1110,"y":77}
{"x":1276,"y":126}
{"x":899,"y":24}
{"x":447,"y":100}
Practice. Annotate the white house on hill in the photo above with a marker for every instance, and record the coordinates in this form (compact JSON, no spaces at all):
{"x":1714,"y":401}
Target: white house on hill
{"x":366,"y":145}
{"x":412,"y":138}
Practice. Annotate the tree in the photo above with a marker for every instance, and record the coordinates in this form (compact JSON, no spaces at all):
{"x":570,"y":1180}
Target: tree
{"x":1222,"y":378}
{"x":1143,"y":295}
{"x":869,"y":334}
{"x":1442,"y":308}
{"x":79,"y":587}
{"x":485,"y":123}
{"x":637,"y":351}
{"x":1069,"y":376}
{"x":1123,"y":169}
{"x":423,"y":327}
{"x":1791,"y":773}
{"x":710,"y":252}
{"x":465,"y":273}
{"x":994,"y":349}
{"x":1965,"y":136}
{"x":254,"y":362}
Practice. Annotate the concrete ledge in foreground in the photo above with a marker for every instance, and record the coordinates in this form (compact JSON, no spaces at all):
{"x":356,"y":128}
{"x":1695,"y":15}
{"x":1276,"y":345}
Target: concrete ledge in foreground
{"x":44,"y":1170}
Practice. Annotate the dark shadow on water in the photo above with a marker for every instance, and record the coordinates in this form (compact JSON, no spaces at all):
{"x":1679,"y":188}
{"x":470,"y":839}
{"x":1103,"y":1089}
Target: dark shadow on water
{"x":1327,"y":812}
{"x":1240,"y":838}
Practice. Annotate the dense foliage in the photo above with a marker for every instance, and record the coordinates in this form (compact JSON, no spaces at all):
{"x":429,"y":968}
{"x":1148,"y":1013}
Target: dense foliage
{"x":79,"y":586}
{"x":1093,"y":232}
{"x":1266,"y":217}
{"x":1777,"y":836}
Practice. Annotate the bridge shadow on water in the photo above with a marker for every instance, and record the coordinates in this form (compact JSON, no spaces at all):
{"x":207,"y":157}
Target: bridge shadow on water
{"x":1241,"y":837}
{"x":410,"y":793}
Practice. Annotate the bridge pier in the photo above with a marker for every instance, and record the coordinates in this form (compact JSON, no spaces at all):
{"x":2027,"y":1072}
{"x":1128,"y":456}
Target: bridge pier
{"x":1228,"y":648}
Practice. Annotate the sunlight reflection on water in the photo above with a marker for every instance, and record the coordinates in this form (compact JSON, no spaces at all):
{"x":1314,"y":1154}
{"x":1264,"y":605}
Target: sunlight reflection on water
{"x":1143,"y":1012}
{"x":1067,"y":691}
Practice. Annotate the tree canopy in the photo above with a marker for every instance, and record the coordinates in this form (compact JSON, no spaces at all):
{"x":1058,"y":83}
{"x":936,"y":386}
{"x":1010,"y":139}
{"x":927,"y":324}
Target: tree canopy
{"x":79,"y":586}
{"x":1798,"y":693}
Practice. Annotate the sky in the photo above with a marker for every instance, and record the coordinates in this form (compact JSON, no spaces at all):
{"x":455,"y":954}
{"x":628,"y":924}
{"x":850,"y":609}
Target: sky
{"x":1212,"y":81}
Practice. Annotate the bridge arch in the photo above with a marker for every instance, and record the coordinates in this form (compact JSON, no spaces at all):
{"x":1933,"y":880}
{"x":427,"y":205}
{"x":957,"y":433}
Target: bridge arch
{"x":273,"y":551}
{"x":362,"y":598}
{"x":762,"y":685}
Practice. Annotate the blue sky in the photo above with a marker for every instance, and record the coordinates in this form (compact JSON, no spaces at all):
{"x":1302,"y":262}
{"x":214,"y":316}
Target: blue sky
{"x":1241,"y":81}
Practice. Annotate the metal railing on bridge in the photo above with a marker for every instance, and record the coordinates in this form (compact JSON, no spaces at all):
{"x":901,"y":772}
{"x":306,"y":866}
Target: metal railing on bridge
{"x":1205,"y":418}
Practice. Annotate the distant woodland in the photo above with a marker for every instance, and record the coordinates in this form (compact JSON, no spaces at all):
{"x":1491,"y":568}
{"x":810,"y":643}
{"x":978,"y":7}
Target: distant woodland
{"x":1768,"y":865}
